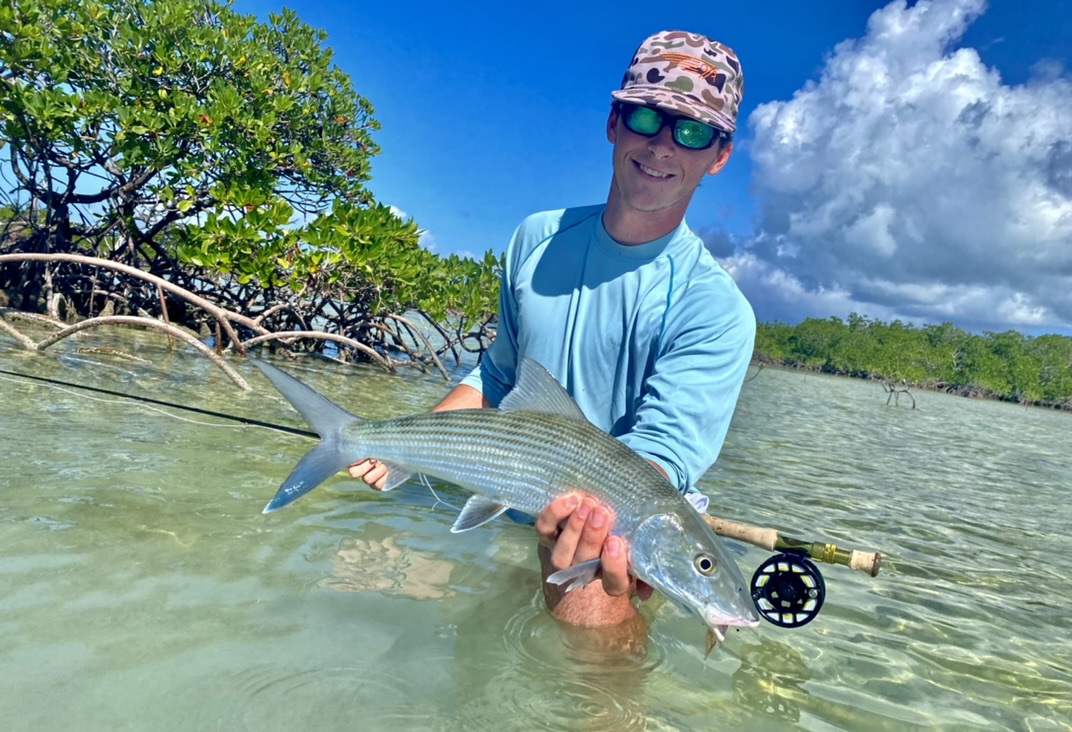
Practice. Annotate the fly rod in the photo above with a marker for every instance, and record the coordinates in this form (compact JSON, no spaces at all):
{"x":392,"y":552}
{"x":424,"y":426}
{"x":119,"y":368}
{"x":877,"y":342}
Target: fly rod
{"x":771,"y":540}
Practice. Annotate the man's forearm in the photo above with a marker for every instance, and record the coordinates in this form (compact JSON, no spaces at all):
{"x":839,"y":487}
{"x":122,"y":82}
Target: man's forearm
{"x":462,"y":397}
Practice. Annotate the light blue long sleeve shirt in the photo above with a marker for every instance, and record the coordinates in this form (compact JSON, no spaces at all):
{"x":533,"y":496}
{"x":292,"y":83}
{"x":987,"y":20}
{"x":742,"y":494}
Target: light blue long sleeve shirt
{"x":652,"y":341}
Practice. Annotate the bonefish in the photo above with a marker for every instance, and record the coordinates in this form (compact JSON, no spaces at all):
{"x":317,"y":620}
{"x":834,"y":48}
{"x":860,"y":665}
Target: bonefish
{"x":535,"y":447}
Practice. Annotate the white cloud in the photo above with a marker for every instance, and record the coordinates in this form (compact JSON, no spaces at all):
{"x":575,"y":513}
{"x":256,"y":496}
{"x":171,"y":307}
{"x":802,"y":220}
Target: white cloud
{"x":785,"y":298}
{"x":426,"y":240}
{"x":909,"y":181}
{"x":424,"y":237}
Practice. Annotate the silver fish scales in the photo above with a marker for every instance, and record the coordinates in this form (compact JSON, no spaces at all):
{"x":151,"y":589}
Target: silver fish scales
{"x":522,"y":459}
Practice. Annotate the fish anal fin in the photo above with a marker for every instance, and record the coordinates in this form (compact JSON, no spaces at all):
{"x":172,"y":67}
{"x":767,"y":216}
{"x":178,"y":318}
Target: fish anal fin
{"x":396,"y":476}
{"x":577,"y":576}
{"x":536,"y":390}
{"x":477,"y":512}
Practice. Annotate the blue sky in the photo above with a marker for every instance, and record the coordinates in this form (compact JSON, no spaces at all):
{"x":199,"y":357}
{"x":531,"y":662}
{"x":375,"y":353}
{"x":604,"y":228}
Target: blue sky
{"x":908,"y":161}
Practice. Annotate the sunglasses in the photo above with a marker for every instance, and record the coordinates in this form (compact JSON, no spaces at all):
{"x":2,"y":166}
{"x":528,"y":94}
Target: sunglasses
{"x":688,"y":133}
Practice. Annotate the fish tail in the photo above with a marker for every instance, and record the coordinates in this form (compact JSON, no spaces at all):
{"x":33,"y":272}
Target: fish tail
{"x":327,"y":419}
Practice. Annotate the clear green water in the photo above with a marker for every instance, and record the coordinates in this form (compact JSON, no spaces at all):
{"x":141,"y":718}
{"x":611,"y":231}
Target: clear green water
{"x":141,"y":588}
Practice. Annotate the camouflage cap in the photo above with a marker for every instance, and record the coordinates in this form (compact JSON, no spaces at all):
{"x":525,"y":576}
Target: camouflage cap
{"x":688,"y":74}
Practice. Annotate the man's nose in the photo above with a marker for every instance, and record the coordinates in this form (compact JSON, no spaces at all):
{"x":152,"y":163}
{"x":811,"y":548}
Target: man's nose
{"x":662,"y":144}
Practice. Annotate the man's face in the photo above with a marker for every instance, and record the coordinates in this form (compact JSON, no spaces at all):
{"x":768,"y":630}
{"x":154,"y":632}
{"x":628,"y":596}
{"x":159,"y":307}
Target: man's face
{"x":655,"y":174}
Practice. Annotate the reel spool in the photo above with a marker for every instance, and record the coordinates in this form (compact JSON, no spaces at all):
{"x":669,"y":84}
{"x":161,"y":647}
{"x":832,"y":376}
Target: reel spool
{"x":788,"y":590}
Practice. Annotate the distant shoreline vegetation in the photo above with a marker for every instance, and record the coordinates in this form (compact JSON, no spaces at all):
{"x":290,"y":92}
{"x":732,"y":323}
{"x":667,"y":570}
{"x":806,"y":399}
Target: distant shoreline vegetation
{"x":1008,"y":366}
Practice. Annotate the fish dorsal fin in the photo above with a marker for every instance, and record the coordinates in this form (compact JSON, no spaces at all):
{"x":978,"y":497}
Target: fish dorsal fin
{"x":537,"y":391}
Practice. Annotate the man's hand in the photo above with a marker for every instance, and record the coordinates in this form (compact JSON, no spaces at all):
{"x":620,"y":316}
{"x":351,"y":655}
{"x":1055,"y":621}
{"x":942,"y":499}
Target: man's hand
{"x":576,"y":528}
{"x":370,"y":471}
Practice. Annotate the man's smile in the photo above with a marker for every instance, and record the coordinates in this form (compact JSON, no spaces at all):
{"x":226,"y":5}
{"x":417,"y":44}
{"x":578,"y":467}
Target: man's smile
{"x":651,"y":171}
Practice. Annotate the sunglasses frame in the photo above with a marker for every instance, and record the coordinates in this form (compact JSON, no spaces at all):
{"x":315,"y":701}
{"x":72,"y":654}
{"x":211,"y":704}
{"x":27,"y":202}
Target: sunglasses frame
{"x":625,"y":112}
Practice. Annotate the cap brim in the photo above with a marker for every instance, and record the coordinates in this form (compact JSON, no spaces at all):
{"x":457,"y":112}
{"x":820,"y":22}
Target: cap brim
{"x":676,"y":103}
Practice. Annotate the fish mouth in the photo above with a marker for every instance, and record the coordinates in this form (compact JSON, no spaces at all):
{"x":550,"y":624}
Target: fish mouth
{"x":722,"y":624}
{"x":716,"y":631}
{"x":716,"y":635}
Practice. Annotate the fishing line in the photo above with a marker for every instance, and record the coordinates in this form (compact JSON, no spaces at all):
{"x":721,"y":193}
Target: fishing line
{"x":147,"y":401}
{"x":424,"y":481}
{"x":250,"y":421}
{"x":146,"y":407}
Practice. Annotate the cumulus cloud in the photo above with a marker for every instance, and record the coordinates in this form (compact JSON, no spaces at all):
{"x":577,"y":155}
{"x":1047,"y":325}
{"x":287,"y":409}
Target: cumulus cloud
{"x":424,"y":237}
{"x":909,"y":181}
{"x":426,"y":240}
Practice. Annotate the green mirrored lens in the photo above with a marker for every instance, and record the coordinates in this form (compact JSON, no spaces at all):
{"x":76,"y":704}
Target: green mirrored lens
{"x":695,"y":135}
{"x":644,"y":121}
{"x":648,"y":121}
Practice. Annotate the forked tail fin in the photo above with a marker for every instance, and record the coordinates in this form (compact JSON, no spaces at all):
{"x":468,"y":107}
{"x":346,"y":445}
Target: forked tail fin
{"x":327,"y":419}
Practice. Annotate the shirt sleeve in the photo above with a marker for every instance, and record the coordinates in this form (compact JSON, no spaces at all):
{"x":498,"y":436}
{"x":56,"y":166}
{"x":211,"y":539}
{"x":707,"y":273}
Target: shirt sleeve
{"x":494,"y":376}
{"x":690,"y":395}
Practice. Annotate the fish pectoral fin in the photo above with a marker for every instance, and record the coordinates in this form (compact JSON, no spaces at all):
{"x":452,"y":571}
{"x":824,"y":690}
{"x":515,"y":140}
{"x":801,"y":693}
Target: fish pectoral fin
{"x":477,"y":512}
{"x":396,"y":476}
{"x":577,"y":576}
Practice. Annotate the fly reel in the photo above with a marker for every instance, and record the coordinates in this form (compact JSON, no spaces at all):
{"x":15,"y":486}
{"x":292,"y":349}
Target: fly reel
{"x":788,"y":590}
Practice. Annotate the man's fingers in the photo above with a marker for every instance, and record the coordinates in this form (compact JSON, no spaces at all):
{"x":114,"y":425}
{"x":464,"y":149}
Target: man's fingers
{"x":377,"y":477}
{"x":358,"y":469}
{"x":370,"y":471}
{"x":615,"y":561}
{"x":551,"y":518}
{"x":594,"y":532}
{"x":572,"y":532}
{"x":564,"y":552}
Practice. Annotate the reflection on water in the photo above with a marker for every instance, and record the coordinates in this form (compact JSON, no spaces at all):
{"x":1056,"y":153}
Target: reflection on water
{"x":368,"y":565}
{"x":142,"y":587}
{"x":770,"y":680}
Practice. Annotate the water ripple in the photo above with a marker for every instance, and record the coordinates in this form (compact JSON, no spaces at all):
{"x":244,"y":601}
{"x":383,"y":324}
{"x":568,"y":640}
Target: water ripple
{"x":551,"y":677}
{"x":262,"y":697}
{"x":143,"y":583}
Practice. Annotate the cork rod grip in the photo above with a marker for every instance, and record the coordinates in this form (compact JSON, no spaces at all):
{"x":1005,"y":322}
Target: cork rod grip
{"x":771,"y":540}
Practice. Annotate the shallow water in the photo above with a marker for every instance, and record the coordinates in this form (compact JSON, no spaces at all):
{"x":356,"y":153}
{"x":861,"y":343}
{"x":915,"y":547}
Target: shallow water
{"x":141,"y":588}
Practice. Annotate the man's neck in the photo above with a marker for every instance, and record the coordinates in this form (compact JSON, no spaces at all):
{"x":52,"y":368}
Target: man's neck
{"x":630,"y":227}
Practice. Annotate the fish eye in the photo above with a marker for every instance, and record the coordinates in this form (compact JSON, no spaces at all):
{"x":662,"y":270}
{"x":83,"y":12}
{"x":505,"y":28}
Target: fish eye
{"x":705,"y":564}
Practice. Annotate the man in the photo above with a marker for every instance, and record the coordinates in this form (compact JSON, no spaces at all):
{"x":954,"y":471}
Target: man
{"x":626,"y":308}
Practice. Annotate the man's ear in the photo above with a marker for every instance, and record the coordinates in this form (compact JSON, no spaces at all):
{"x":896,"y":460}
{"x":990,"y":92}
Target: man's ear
{"x":721,"y":160}
{"x":612,"y":124}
